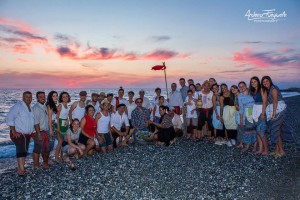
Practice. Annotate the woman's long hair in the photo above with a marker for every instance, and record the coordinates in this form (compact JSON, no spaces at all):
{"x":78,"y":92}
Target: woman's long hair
{"x":253,"y":91}
{"x":271,"y":83}
{"x":60,"y":97}
{"x":71,"y":125}
{"x":50,"y":101}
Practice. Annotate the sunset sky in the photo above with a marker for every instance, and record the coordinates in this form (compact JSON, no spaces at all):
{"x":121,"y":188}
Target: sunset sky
{"x":106,"y":44}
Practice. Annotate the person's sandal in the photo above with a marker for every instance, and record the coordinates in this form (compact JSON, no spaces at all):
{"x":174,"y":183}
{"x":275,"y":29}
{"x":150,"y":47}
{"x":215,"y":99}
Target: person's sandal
{"x":22,"y":173}
{"x":72,"y":166}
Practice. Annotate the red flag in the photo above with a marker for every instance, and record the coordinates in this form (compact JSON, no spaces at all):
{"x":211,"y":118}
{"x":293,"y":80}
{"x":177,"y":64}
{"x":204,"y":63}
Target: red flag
{"x":159,"y":67}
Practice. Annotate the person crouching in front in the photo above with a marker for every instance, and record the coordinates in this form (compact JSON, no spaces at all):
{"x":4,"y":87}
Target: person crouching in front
{"x":120,"y":126}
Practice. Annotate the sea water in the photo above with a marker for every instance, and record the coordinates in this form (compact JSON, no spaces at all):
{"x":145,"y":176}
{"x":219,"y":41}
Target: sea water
{"x":8,"y":97}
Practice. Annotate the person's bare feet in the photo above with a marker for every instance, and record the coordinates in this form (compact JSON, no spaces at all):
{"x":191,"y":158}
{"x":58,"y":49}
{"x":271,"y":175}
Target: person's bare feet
{"x":264,"y":153}
{"x":45,"y":166}
{"x":258,"y":152}
{"x":67,"y":159}
{"x":245,"y":149}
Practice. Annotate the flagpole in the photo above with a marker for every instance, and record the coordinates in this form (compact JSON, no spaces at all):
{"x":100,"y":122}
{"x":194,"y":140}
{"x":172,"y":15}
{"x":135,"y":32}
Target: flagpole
{"x":166,"y":81}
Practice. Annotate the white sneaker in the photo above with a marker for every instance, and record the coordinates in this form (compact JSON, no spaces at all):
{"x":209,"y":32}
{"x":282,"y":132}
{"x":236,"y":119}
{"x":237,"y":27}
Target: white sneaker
{"x":218,"y":142}
{"x":233,"y":142}
{"x":229,"y":143}
{"x":223,"y":142}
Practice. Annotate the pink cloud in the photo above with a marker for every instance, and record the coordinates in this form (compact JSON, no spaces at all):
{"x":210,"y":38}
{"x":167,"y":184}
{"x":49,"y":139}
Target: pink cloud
{"x":81,"y":53}
{"x":267,"y":59}
{"x":19,"y":37}
{"x":22,"y":26}
{"x":248,"y":57}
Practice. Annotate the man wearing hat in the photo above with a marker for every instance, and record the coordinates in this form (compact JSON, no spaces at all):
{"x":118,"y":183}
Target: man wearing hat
{"x":103,"y":138}
{"x":94,"y":102}
{"x":101,"y":97}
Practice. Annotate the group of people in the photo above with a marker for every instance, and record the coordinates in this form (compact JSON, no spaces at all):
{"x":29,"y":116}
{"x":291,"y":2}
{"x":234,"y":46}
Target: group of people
{"x":236,"y":116}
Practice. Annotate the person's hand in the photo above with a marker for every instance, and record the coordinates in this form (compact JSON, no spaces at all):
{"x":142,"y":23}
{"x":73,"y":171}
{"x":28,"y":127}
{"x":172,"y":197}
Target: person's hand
{"x":218,"y":117}
{"x":237,"y":108}
{"x":273,"y":117}
{"x":262,"y":117}
{"x":168,"y":100}
{"x":100,"y":139}
{"x":241,"y":123}
{"x":15,"y":134}
{"x":80,"y":151}
{"x":51,"y":133}
{"x":192,"y":111}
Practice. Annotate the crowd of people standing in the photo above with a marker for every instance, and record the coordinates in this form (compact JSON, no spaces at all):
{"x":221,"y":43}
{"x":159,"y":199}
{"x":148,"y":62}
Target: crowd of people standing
{"x":237,"y":116}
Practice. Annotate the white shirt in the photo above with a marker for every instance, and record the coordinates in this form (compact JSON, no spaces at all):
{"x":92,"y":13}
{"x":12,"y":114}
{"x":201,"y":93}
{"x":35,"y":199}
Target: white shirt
{"x":20,"y":117}
{"x":175,"y":99}
{"x":189,"y":108}
{"x":64,"y":113}
{"x":130,"y":107}
{"x":146,"y":103}
{"x":78,"y":112}
{"x":103,"y":123}
{"x":96,"y":107}
{"x":176,"y":121}
{"x":117,"y":120}
{"x":207,"y":99}
{"x":40,"y":116}
{"x":114,"y":101}
{"x":156,"y":101}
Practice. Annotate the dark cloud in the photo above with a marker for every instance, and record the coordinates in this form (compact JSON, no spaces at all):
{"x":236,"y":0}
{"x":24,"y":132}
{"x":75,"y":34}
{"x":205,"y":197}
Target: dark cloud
{"x":159,"y":38}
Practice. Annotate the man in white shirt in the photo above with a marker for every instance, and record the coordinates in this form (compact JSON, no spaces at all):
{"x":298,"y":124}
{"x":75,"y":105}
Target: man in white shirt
{"x":119,"y":100}
{"x":175,"y":99}
{"x":43,"y":142}
{"x":176,"y":121}
{"x":20,"y":120}
{"x":120,"y":126}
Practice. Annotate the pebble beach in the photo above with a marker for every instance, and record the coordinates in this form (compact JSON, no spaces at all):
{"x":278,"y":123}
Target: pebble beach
{"x":185,"y":170}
